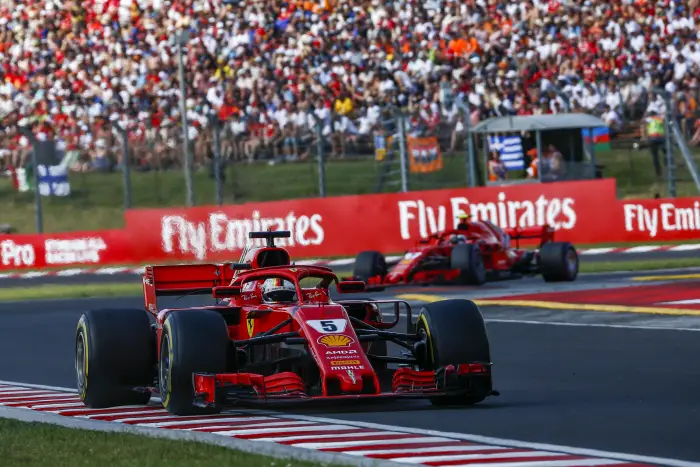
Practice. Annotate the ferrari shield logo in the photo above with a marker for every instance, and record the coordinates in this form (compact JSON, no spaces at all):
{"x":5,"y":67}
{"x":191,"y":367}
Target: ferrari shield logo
{"x":251,"y":325}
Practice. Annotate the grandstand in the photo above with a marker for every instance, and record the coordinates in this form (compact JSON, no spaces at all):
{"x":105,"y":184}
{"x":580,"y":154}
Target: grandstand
{"x":271,"y":71}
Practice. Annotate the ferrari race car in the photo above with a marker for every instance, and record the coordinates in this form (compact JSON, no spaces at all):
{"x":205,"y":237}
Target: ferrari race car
{"x":275,"y":335}
{"x":481,"y":252}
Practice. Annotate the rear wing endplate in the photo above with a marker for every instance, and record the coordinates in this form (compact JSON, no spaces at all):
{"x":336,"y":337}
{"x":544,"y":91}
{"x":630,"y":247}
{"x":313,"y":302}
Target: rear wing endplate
{"x":191,"y":279}
{"x":544,"y":233}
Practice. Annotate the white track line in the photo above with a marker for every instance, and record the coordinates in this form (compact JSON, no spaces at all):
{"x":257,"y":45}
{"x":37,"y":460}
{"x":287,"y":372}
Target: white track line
{"x":643,"y":249}
{"x":70,"y":272}
{"x":126,"y":413}
{"x":596,"y":251}
{"x":468,"y":457}
{"x":292,"y":427}
{"x":110,"y":271}
{"x":331,"y":436}
{"x":214,"y":421}
{"x":688,"y":247}
{"x":340,"y":262}
{"x":694,"y":301}
{"x":428,"y":450}
{"x":348,"y":444}
{"x":590,"y":325}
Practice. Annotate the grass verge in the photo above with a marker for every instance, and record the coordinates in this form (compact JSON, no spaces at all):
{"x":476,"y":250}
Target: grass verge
{"x":646,"y":265}
{"x":44,"y":445}
{"x":134,"y":289}
{"x":59,"y":291}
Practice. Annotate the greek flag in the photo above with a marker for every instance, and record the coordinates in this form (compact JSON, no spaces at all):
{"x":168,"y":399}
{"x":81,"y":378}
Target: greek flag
{"x":510,"y":149}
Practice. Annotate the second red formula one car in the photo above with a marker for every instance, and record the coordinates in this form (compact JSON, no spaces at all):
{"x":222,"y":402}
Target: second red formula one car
{"x":277,"y":336}
{"x":478,"y":252}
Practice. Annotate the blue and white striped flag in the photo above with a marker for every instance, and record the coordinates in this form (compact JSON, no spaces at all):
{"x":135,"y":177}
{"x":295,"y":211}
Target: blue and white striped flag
{"x":510,"y":149}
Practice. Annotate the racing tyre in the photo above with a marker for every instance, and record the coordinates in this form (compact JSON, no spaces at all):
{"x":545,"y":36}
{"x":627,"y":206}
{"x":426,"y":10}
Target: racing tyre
{"x":468,"y":259}
{"x":558,"y":262}
{"x":456,"y":334}
{"x":369,"y":264}
{"x":193,"y":341}
{"x":114,"y":353}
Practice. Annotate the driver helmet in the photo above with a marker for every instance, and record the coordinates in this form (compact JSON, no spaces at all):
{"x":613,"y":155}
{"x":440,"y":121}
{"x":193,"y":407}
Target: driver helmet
{"x":278,"y":291}
{"x":463,"y":216}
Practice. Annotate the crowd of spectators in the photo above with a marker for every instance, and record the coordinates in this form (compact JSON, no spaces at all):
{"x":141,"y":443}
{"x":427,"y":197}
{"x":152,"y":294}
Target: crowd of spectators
{"x":271,"y":71}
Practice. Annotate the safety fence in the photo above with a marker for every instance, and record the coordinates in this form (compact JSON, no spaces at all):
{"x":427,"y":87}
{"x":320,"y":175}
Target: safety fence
{"x":316,"y":154}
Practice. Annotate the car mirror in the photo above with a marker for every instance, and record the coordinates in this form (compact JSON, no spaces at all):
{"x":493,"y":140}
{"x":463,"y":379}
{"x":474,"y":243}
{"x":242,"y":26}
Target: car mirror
{"x":351,"y":286}
{"x":226,"y":291}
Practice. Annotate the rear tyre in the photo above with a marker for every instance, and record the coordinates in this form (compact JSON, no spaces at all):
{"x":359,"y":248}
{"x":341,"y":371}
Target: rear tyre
{"x":558,"y":262}
{"x":456,"y":334}
{"x":193,"y":341}
{"x":114,"y":353}
{"x":369,"y":264}
{"x":468,"y":259}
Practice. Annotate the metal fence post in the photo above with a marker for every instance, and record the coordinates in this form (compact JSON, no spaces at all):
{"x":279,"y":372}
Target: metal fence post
{"x":320,"y":159}
{"x":126,"y":167}
{"x":470,"y":160}
{"x":38,"y":208}
{"x":216,"y":124}
{"x":182,"y":37}
{"x":401,"y":127}
{"x":670,"y":166}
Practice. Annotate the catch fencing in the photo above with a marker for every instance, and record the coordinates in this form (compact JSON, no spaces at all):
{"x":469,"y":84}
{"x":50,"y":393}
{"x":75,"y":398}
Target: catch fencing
{"x":316,"y":153}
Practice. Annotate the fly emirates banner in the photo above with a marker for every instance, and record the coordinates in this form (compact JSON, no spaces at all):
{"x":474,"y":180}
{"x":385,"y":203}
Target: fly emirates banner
{"x":581,"y":212}
{"x":584,"y":212}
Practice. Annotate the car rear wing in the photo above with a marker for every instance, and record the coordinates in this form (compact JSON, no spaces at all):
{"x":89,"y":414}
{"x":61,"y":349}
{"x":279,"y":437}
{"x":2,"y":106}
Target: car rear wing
{"x":186,"y":279}
{"x":543,"y":233}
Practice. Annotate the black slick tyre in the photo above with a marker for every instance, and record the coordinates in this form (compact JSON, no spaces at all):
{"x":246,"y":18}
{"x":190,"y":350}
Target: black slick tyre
{"x":369,"y":264}
{"x":456,"y":334}
{"x":558,"y":262}
{"x":193,"y":341}
{"x":468,"y":260}
{"x":114,"y":353}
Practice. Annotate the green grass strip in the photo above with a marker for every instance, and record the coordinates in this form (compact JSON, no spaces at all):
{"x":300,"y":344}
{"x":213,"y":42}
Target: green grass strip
{"x":43,"y":445}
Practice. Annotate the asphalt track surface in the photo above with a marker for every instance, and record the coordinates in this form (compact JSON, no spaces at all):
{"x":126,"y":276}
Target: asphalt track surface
{"x":126,"y":277}
{"x":633,"y":388}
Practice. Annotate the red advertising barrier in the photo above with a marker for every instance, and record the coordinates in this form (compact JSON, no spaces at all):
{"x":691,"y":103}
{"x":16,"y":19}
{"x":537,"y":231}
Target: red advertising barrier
{"x":583,"y":212}
{"x":61,"y":250}
{"x":657,"y":220}
{"x":388,"y":222}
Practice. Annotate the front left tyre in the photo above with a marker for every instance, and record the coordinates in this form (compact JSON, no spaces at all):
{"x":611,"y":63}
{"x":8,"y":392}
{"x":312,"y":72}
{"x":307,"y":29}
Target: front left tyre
{"x":455,"y":333}
{"x":114,"y":354}
{"x":193,"y":341}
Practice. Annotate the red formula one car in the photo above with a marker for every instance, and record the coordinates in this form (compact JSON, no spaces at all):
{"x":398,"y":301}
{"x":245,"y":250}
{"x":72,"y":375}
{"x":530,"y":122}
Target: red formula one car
{"x":481,"y":252}
{"x":275,"y":335}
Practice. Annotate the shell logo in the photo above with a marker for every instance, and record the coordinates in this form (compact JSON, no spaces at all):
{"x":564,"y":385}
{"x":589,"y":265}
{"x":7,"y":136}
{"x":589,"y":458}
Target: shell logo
{"x":335,"y":340}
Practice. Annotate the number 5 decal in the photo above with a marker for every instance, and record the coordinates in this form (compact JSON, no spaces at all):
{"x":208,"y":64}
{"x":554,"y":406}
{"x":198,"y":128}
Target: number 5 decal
{"x":328,"y":326}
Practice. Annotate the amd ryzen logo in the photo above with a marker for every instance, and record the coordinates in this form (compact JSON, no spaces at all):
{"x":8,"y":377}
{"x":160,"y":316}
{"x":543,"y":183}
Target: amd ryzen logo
{"x":341,"y":352}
